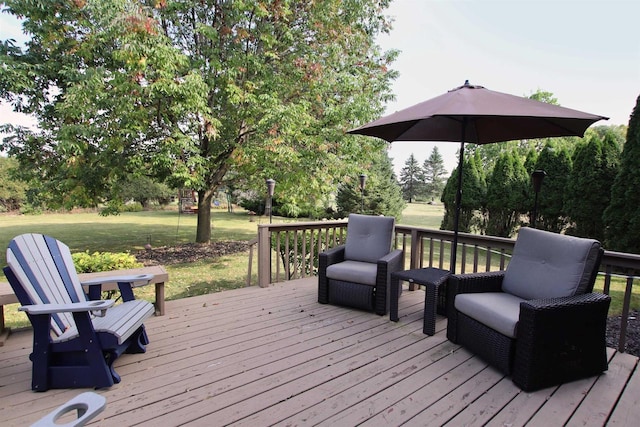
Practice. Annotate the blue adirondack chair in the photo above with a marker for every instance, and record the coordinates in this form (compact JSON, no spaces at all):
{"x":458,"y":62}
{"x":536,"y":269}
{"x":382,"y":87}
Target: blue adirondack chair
{"x":75,"y":339}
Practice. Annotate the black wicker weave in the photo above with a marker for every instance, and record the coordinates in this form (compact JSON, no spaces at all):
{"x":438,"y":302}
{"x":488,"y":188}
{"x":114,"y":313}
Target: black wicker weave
{"x":557,"y":340}
{"x":560,"y":340}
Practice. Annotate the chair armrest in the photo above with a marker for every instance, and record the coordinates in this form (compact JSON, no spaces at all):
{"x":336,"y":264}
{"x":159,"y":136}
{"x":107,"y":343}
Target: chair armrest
{"x":125,"y":284}
{"x":86,"y":406}
{"x":333,"y":255}
{"x":38,"y":309}
{"x":490,"y":281}
{"x":393,"y":259}
{"x":325,"y":259}
{"x":560,"y":339}
{"x":118,"y":279}
{"x":391,"y":262}
{"x":577,"y":302}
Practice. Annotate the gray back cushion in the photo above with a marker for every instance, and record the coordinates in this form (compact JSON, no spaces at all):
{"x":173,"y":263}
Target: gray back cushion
{"x":550,"y":265}
{"x":368,"y":237}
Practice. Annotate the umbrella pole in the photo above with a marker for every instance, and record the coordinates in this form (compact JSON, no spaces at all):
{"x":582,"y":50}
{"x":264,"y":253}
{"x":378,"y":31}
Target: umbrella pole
{"x":456,"y":221}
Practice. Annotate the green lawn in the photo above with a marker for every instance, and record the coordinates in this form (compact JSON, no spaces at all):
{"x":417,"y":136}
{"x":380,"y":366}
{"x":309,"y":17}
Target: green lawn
{"x":423,"y":215}
{"x":124,"y":232}
{"x":130,"y":232}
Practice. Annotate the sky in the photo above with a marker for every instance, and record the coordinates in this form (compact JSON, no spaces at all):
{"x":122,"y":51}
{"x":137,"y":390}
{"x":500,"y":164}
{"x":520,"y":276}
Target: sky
{"x":585,"y":52}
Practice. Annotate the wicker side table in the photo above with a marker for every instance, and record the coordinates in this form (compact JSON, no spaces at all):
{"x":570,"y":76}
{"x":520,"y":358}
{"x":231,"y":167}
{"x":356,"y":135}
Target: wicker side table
{"x":432,"y":279}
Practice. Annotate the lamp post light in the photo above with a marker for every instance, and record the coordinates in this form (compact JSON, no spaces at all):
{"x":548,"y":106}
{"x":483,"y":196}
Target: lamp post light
{"x":363,"y":181}
{"x":271,"y":187}
{"x":536,"y":177}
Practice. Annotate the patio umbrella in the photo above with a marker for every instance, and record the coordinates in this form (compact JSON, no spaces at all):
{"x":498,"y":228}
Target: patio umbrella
{"x":472,"y":113}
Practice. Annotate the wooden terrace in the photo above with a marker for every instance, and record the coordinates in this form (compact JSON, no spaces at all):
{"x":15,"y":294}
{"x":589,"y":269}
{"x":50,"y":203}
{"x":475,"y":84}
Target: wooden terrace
{"x":274,"y":356}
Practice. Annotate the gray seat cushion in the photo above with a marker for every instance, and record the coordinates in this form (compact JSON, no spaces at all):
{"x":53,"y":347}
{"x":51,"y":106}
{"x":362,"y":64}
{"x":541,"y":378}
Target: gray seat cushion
{"x":354,"y":271}
{"x":368,"y":237}
{"x":550,"y":265}
{"x":499,"y":311}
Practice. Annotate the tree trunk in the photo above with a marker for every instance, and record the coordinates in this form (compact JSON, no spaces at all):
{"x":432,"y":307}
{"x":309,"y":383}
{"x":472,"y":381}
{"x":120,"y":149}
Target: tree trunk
{"x":203,"y":229}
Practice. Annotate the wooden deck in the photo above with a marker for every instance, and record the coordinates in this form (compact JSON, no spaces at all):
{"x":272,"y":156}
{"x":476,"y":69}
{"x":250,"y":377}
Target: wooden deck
{"x":259,"y":357}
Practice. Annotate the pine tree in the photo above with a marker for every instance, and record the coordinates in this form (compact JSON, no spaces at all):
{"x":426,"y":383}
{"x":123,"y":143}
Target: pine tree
{"x":555,"y":161}
{"x":595,"y":164}
{"x":622,"y":217}
{"x":410,"y":178}
{"x":382,"y":194}
{"x":473,"y":195}
{"x":506,"y":194}
{"x":434,"y":174}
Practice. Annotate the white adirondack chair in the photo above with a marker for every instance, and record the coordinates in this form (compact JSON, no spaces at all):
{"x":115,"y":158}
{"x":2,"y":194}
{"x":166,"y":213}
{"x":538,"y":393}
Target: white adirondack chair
{"x":75,"y":339}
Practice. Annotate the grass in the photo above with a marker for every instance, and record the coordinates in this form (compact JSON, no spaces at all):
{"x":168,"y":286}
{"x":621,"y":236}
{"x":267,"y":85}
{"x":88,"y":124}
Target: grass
{"x":422,"y":215}
{"x":125,"y":232}
{"x":131,"y":231}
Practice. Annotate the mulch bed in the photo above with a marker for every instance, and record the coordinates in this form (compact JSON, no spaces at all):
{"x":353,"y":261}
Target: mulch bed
{"x":190,"y":252}
{"x":632,"y":345}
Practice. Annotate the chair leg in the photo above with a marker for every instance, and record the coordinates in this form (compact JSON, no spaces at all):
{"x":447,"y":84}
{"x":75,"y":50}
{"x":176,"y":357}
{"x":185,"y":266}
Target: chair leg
{"x":139,"y":341}
{"x":41,"y":355}
{"x":99,"y":364}
{"x":109,"y":358}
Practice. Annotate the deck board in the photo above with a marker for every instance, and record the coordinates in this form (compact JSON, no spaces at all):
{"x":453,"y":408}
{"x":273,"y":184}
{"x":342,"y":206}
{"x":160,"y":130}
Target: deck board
{"x":274,"y":356}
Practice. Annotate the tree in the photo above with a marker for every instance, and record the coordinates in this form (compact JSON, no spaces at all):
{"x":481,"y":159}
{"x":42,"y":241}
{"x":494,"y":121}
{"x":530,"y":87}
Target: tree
{"x":434,"y":174}
{"x":622,"y":216}
{"x":555,"y":161}
{"x":410,"y":178}
{"x":107,"y":89}
{"x":191,"y":91}
{"x":473,"y":195}
{"x":506,"y":195}
{"x":382,"y":195}
{"x":12,"y":191}
{"x":595,"y":164}
{"x":143,"y":190}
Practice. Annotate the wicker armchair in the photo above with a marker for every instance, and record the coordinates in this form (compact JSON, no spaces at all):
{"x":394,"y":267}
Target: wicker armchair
{"x":537,"y":321}
{"x":358,"y":273}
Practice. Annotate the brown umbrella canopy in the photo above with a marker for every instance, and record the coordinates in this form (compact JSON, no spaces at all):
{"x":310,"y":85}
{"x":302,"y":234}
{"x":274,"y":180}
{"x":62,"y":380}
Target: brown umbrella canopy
{"x":474,"y":114}
{"x":489,"y":116}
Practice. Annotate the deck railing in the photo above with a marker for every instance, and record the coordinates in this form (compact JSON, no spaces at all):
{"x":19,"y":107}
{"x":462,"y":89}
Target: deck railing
{"x":289,"y":251}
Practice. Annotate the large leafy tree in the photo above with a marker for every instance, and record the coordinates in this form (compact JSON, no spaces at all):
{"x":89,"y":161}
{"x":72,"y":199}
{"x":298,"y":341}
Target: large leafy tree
{"x":198,"y":91}
{"x":595,"y":164}
{"x":410,"y":178}
{"x":106,"y":88}
{"x":622,"y":217}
